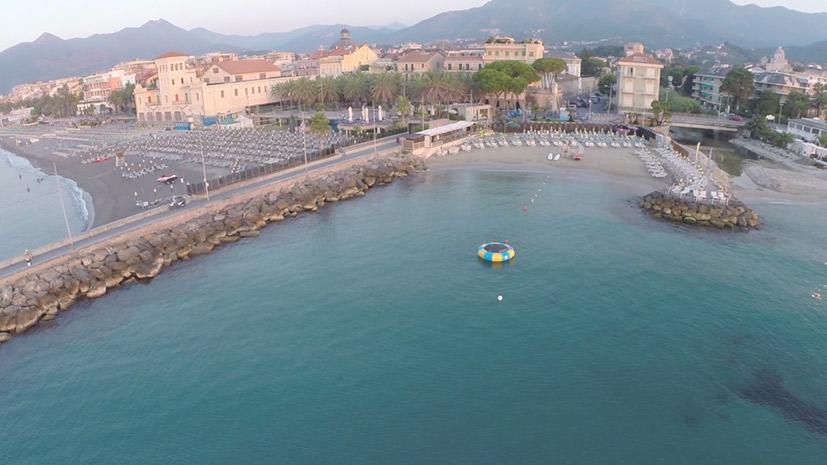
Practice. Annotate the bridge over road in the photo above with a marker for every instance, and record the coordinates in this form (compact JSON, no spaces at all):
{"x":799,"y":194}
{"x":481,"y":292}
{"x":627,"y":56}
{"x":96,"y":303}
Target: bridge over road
{"x":714,"y":123}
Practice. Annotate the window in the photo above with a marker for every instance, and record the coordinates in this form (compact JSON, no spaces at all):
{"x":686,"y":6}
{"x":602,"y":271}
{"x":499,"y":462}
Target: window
{"x":176,"y":97}
{"x":173,"y":82}
{"x":215,"y":70}
{"x":236,"y":92}
{"x":187,"y":98}
{"x":226,"y":78}
{"x":166,"y":98}
{"x":149,"y":99}
{"x":222,"y":94}
{"x":259,"y":89}
{"x":182,"y":81}
{"x":449,"y":66}
{"x":197,"y":98}
{"x":239,"y":78}
{"x":262,"y":76}
{"x":246,"y":91}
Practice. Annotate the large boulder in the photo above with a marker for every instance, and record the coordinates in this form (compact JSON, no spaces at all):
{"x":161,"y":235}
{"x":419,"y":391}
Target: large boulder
{"x":26,"y":318}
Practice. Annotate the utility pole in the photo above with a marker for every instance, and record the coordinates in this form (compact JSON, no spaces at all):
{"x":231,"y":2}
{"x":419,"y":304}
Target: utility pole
{"x":304,"y":138}
{"x":204,"y":167}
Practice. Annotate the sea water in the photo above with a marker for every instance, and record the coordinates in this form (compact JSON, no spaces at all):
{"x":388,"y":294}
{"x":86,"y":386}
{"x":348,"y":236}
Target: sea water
{"x":370,"y":333}
{"x":30,"y":207}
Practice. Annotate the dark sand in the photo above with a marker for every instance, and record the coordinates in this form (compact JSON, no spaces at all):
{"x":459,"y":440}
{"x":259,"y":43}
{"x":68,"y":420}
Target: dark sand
{"x":113,"y":197}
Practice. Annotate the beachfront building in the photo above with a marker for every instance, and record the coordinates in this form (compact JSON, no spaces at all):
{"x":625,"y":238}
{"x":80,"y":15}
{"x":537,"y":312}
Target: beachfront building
{"x":182,"y":92}
{"x":638,"y":81}
{"x":508,"y":49}
{"x":420,"y":62}
{"x":431,"y":138}
{"x":808,"y":129}
{"x":464,"y":61}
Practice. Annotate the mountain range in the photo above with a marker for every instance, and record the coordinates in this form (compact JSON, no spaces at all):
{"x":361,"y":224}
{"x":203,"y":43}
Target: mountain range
{"x":658,"y":23}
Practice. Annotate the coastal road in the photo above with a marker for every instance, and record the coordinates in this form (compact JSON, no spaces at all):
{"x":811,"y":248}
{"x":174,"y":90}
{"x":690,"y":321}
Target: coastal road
{"x":351,"y":153}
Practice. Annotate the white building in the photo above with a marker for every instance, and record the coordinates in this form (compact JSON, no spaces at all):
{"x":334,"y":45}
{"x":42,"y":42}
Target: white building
{"x":638,"y":82}
{"x":808,"y":129}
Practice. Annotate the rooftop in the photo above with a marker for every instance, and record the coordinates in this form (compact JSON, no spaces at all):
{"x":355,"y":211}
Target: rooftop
{"x":459,"y":125}
{"x":812,"y":122}
{"x":418,"y":57}
{"x":641,"y":59}
{"x":170,"y":55}
{"x":247,"y":66}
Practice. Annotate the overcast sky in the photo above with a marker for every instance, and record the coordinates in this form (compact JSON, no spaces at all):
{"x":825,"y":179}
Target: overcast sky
{"x":25,"y":20}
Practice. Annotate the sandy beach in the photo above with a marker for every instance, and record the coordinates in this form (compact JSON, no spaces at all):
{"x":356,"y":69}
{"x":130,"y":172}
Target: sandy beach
{"x":112,"y":196}
{"x":619,"y":164}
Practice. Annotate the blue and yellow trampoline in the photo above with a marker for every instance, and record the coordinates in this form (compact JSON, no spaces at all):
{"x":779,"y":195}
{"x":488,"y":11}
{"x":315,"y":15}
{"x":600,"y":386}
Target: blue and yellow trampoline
{"x":496,"y":252}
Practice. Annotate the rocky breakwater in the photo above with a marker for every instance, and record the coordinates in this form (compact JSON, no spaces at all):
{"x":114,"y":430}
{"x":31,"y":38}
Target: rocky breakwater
{"x":89,"y":274}
{"x":733,"y":216}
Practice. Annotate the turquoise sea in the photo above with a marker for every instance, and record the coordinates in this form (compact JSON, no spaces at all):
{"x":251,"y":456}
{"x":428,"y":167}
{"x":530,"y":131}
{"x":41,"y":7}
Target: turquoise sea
{"x":30,"y":207}
{"x":370,"y":333}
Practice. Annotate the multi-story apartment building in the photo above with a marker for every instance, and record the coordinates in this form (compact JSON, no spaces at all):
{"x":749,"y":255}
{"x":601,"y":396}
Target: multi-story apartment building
{"x":706,"y":88}
{"x":464,"y":61}
{"x":420,"y":62}
{"x":506,"y":48}
{"x":638,"y":82}
{"x":182,"y":92}
{"x":98,"y":87}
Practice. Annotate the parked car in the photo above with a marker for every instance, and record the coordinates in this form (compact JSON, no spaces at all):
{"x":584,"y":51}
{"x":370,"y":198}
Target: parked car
{"x":735,"y":118}
{"x":177,"y":202}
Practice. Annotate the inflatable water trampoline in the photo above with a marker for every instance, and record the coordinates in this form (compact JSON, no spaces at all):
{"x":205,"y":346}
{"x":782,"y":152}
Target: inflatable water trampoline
{"x":496,"y":252}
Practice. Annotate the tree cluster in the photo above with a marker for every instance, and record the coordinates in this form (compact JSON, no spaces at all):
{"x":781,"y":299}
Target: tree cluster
{"x":381,"y":89}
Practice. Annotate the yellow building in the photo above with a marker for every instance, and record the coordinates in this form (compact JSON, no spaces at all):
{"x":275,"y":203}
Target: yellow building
{"x":638,"y":83}
{"x":345,"y":57}
{"x":508,"y":49}
{"x":182,"y":92}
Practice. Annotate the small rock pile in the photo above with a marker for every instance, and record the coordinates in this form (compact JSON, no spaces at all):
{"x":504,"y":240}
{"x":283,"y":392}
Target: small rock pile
{"x":736,"y":215}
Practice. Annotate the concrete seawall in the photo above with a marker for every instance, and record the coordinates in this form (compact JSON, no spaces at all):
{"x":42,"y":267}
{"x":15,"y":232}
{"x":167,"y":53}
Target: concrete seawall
{"x":42,"y":294}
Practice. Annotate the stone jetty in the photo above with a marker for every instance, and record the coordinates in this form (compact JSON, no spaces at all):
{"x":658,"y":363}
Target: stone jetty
{"x":733,"y":216}
{"x":90,"y":274}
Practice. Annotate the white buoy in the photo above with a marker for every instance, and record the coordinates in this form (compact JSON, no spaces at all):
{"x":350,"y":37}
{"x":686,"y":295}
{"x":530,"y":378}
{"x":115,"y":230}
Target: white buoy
{"x":500,"y":298}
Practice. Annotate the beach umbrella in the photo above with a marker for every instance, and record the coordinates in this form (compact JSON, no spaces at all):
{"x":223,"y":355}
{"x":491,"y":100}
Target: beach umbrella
{"x":349,"y":114}
{"x":380,"y":113}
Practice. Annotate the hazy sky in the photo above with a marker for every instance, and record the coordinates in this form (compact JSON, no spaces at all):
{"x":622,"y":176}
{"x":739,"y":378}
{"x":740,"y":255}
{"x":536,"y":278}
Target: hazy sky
{"x":24,"y":20}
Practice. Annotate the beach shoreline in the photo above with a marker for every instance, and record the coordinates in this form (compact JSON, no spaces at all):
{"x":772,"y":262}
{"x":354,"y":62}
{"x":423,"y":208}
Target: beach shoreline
{"x":80,"y":198}
{"x":91,"y":197}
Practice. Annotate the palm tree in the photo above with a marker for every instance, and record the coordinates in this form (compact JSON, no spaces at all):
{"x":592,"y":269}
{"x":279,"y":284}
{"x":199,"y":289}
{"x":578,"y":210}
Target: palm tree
{"x":326,"y":91}
{"x":435,"y":87}
{"x":384,"y":88}
{"x":320,"y":127}
{"x":356,"y":89}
